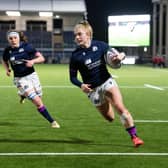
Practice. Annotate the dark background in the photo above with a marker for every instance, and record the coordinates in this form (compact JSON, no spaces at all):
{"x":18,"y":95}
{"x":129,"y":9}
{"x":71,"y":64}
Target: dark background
{"x":99,"y":10}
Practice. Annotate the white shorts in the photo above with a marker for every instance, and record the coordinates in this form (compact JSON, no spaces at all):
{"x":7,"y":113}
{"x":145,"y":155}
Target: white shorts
{"x":97,"y":96}
{"x":28,"y":83}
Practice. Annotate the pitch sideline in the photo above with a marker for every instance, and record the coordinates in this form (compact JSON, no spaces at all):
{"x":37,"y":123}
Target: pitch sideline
{"x":146,"y":86}
{"x":82,"y":154}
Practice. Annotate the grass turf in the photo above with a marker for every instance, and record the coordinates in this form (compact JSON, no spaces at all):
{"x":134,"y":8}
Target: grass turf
{"x":83,"y":129}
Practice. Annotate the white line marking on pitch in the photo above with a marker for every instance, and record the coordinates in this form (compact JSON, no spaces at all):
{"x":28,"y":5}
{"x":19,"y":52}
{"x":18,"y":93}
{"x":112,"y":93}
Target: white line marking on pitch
{"x":71,"y":86}
{"x":153,"y":87}
{"x":114,"y":76}
{"x":83,"y":154}
{"x":151,"y":121}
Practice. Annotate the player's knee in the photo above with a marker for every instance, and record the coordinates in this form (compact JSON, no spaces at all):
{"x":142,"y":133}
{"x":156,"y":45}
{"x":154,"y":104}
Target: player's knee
{"x":31,"y":95}
{"x":39,"y":93}
{"x":124,"y":117}
{"x":109,"y":116}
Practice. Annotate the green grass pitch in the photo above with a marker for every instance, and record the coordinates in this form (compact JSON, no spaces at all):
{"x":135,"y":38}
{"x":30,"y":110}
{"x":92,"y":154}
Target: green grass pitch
{"x":83,"y":129}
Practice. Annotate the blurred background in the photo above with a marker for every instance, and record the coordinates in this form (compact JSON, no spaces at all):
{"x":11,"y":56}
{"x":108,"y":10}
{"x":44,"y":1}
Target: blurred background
{"x":139,"y":28}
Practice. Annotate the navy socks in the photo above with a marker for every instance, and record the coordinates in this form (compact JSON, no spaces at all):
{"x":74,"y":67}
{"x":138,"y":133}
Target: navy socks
{"x":44,"y":112}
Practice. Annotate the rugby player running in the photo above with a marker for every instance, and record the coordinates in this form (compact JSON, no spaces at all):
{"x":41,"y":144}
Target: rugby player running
{"x":98,"y":84}
{"x":20,"y":56}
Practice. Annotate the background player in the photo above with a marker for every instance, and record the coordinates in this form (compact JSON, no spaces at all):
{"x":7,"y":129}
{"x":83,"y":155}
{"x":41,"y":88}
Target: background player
{"x":22,"y":56}
{"x":101,"y":88}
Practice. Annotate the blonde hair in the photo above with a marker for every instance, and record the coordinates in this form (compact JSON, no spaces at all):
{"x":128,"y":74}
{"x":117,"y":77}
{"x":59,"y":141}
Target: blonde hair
{"x":86,"y":26}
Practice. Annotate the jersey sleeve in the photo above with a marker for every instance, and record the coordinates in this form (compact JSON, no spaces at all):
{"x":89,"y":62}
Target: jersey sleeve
{"x":5,"y":55}
{"x":105,"y":47}
{"x":31,"y":50}
{"x":73,"y":71}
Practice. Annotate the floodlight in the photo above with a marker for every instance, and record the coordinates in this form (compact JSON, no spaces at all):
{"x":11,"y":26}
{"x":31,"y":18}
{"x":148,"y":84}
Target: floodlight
{"x":45,"y":14}
{"x":13,"y":13}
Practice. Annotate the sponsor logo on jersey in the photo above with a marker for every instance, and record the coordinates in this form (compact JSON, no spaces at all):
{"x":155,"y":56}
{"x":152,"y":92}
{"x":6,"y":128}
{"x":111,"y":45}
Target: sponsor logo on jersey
{"x":94,"y":64}
{"x":21,"y":49}
{"x":94,"y":48}
{"x":88,"y":61}
{"x":12,"y":58}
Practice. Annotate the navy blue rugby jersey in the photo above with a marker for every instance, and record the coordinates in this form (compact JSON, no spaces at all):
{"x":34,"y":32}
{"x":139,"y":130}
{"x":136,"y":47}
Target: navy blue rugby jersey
{"x":90,"y":63}
{"x":17,"y":57}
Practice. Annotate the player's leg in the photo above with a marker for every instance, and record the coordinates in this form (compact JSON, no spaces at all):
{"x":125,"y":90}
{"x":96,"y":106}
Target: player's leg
{"x":18,"y":83}
{"x":37,"y":101}
{"x":102,"y":105}
{"x":21,"y":95}
{"x":22,"y":99}
{"x":26,"y":88}
{"x":106,"y":110}
{"x":114,"y":95}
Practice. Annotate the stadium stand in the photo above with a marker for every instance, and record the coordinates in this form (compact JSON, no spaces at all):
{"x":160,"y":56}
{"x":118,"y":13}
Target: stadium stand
{"x":52,"y":35}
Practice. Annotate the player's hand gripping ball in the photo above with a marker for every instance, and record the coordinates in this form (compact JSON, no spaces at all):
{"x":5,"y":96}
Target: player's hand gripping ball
{"x":113,"y":58}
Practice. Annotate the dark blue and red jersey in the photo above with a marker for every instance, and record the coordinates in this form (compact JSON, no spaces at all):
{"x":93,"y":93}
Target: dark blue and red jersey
{"x":17,"y":57}
{"x":90,"y":63}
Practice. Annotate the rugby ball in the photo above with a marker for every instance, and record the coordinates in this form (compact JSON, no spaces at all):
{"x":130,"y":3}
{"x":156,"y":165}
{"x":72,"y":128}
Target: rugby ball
{"x":111,"y":58}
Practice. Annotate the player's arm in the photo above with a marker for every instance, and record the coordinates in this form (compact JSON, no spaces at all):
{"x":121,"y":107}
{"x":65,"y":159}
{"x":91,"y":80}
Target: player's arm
{"x":5,"y":61}
{"x":118,"y":57}
{"x":115,"y":55}
{"x":73,"y":77}
{"x":86,"y":88}
{"x":7,"y":68}
{"x":73,"y":73}
{"x":38,"y":59}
